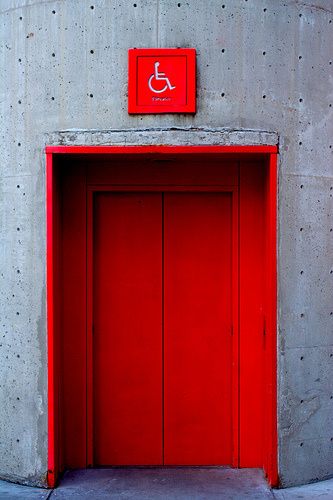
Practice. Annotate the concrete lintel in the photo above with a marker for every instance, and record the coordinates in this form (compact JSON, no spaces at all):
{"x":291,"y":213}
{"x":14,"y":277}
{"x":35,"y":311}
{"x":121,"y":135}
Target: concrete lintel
{"x":168,"y":136}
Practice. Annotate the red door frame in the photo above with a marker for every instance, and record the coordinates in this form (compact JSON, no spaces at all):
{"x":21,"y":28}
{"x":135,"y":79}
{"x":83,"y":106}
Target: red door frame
{"x":268,"y":152}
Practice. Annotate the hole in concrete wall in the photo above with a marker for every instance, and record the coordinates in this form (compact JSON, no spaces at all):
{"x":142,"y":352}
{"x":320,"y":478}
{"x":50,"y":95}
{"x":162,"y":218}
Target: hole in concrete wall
{"x":302,"y":315}
{"x":92,"y":7}
{"x":301,"y":186}
{"x":301,"y":358}
{"x":223,"y":51}
{"x":53,"y":54}
{"x":52,"y":98}
{"x":302,"y":272}
{"x":223,"y":94}
{"x":19,"y":144}
{"x":300,"y":143}
{"x":178,"y":4}
{"x":301,"y":444}
{"x":300,"y":99}
{"x":299,"y":57}
{"x":20,"y":18}
{"x":264,"y":96}
{"x":91,"y":95}
{"x":264,"y":53}
{"x":301,"y":229}
{"x":53,"y":12}
{"x":91,"y":52}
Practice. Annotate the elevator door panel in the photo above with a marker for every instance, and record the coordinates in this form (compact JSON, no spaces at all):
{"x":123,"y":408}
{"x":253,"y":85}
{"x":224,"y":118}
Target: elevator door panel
{"x":162,"y":329}
{"x":197,"y":329}
{"x":127,"y":340}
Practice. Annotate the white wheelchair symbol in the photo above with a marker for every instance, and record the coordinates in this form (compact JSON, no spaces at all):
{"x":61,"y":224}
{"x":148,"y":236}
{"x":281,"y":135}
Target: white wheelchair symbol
{"x":159,"y":77}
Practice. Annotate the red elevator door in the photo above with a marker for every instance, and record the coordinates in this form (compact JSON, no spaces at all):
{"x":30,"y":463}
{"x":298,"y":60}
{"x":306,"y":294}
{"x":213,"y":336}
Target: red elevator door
{"x":162,"y":329}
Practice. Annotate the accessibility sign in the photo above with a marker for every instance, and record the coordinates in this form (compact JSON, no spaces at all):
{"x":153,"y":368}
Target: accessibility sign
{"x":161,"y":81}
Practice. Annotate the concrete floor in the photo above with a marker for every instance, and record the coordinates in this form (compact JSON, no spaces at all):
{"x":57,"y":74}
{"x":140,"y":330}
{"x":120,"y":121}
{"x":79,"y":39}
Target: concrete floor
{"x":167,"y":484}
{"x":158,"y":484}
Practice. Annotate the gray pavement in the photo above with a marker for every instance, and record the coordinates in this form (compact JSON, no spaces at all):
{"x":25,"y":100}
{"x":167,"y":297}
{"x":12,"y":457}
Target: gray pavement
{"x":322,"y":489}
{"x":195,"y":483}
{"x":11,"y":491}
{"x":163,"y":484}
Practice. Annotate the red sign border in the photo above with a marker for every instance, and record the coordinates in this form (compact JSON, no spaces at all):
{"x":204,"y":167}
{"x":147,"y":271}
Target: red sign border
{"x":135,"y":108}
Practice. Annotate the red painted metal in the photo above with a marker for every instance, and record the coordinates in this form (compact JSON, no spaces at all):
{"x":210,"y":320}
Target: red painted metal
{"x":170,"y":173}
{"x":198,"y":329}
{"x":162,"y":150}
{"x":73,"y":325}
{"x":235,"y":323}
{"x":271,"y":464}
{"x":268,"y":154}
{"x":90,"y":327}
{"x":161,"y":81}
{"x":127,"y":338}
{"x":252,"y":312}
{"x":52,"y":471}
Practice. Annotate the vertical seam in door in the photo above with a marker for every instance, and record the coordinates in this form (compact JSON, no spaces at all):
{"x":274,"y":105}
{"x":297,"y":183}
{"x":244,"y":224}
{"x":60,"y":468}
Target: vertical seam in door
{"x":162,"y":209}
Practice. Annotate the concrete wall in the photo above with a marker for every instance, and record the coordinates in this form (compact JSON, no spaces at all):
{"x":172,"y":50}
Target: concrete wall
{"x":263,"y":65}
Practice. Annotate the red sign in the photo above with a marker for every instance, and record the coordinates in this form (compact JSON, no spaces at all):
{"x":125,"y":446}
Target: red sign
{"x":161,"y":81}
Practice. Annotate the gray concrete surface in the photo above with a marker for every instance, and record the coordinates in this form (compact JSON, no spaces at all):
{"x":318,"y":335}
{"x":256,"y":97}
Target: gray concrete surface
{"x":193,"y":136}
{"x":322,"y":489}
{"x":11,"y":491}
{"x":261,"y":66}
{"x":172,"y":484}
{"x":164,"y":484}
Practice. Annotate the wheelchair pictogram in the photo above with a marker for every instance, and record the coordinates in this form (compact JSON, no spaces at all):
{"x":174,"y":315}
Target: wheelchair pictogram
{"x":159,"y":77}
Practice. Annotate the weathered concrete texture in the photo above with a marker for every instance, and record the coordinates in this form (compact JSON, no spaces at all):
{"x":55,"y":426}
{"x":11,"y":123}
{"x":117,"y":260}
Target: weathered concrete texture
{"x":172,"y":136}
{"x":262,"y":66}
{"x":305,"y":328}
{"x":161,"y":484}
{"x":22,"y":385}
